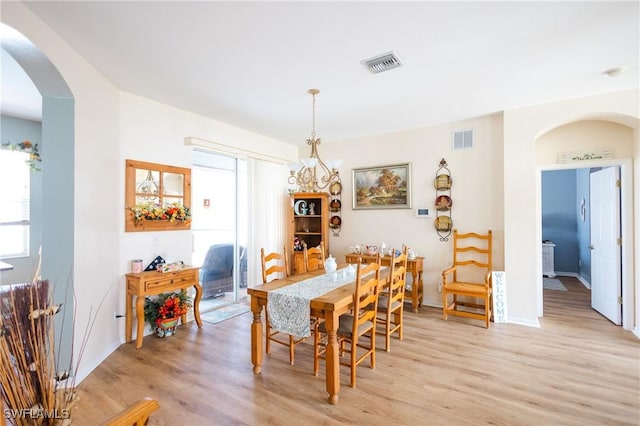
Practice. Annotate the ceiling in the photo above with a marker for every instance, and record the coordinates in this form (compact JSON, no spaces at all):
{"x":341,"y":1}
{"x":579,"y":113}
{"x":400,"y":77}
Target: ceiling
{"x":250,"y":64}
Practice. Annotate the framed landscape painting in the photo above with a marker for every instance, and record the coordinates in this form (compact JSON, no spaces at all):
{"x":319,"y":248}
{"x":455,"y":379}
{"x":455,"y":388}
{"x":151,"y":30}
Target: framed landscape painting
{"x":383,"y":187}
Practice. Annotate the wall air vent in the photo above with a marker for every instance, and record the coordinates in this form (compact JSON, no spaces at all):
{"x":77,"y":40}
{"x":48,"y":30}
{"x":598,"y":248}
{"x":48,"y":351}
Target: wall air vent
{"x":384,"y":62}
{"x":462,"y":139}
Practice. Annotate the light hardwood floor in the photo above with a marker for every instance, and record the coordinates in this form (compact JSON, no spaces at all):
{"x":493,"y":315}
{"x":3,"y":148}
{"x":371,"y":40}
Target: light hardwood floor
{"x":577,"y":369}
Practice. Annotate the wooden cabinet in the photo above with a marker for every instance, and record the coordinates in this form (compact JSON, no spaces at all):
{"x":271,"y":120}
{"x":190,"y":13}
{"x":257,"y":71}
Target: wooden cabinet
{"x":309,"y":222}
{"x":151,"y":283}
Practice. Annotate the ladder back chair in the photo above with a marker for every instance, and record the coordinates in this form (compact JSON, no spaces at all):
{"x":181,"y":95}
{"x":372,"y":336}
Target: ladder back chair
{"x":275,"y":266}
{"x":356,"y":326}
{"x":391,"y":300}
{"x":472,"y":256}
{"x":313,"y":257}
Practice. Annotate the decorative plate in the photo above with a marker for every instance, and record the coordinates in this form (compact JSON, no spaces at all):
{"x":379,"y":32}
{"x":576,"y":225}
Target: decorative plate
{"x":335,"y":188}
{"x":335,"y":205}
{"x":442,"y":182}
{"x":443,"y":202}
{"x":335,"y":222}
{"x":443,"y":223}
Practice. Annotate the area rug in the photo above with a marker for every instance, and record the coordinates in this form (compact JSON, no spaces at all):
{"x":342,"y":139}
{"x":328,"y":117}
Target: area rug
{"x":226,"y":312}
{"x":552,"y":284}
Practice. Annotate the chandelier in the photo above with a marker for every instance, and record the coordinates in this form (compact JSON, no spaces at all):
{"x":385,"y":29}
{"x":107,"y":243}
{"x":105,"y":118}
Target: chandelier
{"x":312,"y":174}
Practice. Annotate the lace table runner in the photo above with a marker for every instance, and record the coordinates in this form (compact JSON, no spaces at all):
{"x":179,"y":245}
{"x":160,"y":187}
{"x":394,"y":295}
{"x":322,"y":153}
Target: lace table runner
{"x":289,"y":307}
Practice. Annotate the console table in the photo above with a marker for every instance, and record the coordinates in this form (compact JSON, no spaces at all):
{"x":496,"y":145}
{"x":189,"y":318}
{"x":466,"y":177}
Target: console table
{"x":415,"y":266}
{"x":151,"y":283}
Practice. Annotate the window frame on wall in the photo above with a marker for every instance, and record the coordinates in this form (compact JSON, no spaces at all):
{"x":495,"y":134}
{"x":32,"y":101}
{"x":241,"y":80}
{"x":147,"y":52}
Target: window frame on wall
{"x":15,"y":200}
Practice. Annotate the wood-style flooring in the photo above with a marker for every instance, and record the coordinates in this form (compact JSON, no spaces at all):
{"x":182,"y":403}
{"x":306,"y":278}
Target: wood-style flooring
{"x":576,"y":369}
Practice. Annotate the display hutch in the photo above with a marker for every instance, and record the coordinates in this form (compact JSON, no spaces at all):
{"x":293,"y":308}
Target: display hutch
{"x":308,"y":223}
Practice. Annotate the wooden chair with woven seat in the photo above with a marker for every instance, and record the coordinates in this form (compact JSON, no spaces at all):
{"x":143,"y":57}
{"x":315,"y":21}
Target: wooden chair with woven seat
{"x":354,"y":327}
{"x":471,"y":277}
{"x":275,"y":266}
{"x":391,"y":300}
{"x":313,"y":257}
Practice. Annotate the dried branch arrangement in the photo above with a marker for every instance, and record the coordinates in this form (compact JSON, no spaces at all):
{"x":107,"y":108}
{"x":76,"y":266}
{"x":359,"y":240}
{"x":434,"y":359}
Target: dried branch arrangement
{"x":34,"y":391}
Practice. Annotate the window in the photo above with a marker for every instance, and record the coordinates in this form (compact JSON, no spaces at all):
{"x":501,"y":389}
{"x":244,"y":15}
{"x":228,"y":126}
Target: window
{"x":14,"y":204}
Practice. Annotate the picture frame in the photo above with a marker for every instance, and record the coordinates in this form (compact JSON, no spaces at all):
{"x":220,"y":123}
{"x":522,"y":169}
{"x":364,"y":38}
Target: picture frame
{"x":382,"y":187}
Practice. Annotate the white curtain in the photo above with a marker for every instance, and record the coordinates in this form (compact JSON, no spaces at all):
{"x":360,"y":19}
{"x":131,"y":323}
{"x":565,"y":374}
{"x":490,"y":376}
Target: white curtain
{"x":267,"y":215}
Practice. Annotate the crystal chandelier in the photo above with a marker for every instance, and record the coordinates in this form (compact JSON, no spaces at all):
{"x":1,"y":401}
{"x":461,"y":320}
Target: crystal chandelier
{"x":312,"y":174}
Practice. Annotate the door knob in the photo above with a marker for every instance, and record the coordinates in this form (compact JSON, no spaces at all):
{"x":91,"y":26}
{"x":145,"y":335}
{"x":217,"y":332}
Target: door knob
{"x":591,"y":247}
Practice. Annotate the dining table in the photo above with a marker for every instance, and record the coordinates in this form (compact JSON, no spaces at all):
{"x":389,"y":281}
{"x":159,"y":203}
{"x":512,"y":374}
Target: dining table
{"x":328,"y":307}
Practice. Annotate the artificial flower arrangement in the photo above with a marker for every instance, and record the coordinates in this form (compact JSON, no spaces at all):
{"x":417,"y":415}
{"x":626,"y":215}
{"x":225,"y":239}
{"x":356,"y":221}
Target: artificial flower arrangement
{"x":173,"y":212}
{"x":29,"y":148}
{"x":166,"y":306}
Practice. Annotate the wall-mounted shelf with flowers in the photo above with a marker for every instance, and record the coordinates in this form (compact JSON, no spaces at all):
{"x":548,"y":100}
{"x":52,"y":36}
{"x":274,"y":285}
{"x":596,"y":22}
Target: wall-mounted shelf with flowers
{"x":157,"y":197}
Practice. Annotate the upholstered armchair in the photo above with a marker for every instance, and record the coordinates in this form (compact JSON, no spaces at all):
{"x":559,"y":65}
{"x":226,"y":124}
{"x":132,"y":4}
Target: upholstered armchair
{"x":216,"y":274}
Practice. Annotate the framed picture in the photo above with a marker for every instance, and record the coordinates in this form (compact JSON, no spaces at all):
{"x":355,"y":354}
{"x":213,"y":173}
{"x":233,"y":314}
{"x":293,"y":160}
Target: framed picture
{"x":384,"y":187}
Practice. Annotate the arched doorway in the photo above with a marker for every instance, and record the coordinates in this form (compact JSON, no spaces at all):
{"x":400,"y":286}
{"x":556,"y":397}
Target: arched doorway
{"x":57,"y":195}
{"x":586,"y":136}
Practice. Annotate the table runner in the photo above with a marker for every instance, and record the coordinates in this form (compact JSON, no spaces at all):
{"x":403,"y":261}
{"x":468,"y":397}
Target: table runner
{"x":289,"y":307}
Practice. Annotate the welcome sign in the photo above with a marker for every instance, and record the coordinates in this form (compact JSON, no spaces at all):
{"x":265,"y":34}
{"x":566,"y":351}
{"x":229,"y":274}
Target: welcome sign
{"x":499,"y":296}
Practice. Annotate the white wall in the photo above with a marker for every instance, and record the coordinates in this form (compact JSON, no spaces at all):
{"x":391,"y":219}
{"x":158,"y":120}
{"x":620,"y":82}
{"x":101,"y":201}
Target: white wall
{"x":476,"y":191}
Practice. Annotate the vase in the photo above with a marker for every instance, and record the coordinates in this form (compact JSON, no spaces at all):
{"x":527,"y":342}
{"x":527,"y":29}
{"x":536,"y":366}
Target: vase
{"x":166,"y":327}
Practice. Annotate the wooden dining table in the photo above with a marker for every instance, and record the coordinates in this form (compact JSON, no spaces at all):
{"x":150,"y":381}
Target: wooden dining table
{"x":328,"y":306}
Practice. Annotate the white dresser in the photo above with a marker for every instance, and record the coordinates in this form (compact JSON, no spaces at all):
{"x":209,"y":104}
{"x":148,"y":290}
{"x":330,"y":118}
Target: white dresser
{"x":547,"y":260}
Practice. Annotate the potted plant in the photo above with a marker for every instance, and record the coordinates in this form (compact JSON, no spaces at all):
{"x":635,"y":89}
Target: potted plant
{"x":164,"y":311}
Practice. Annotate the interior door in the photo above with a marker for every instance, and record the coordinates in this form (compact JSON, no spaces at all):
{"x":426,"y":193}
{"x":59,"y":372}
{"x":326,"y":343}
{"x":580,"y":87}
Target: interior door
{"x":606,"y":266}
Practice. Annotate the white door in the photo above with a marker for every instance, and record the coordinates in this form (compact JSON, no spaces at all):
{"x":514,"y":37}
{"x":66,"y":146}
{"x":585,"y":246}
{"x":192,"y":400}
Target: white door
{"x":606,"y":281}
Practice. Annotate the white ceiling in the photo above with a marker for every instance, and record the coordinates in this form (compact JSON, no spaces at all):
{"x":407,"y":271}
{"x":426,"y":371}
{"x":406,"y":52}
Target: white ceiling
{"x":250,"y":64}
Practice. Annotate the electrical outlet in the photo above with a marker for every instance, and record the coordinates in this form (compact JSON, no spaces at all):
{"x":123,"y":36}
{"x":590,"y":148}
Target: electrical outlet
{"x":439,"y":286}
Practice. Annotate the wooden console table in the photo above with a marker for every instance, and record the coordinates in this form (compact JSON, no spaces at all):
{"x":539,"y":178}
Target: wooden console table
{"x":151,"y":283}
{"x":415,"y":266}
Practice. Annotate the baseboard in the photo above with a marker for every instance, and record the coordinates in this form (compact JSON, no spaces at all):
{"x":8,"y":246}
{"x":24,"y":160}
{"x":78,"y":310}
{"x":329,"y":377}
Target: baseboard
{"x":520,"y":321}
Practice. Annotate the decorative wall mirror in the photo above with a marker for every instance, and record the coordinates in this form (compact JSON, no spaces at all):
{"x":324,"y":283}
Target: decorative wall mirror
{"x":157,"y":197}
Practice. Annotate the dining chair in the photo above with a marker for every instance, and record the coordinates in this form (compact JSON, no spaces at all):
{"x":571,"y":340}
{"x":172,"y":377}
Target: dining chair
{"x":356,"y":326}
{"x":391,"y":300}
{"x":472,"y":254}
{"x":275,"y":266}
{"x":313,"y":257}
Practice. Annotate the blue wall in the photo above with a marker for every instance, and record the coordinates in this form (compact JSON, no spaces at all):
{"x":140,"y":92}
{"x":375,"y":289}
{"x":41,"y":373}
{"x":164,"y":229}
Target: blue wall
{"x":559,"y":217}
{"x":584,"y":231}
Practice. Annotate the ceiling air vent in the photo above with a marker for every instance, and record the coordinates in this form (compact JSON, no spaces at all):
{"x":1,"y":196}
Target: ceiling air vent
{"x":384,"y":62}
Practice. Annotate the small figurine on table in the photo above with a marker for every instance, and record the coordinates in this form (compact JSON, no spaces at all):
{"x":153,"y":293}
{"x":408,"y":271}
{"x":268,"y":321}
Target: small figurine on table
{"x":297,"y":244}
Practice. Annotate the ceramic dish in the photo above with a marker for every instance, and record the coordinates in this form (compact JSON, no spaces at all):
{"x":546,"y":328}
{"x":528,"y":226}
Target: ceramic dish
{"x":442,"y":182}
{"x":443,"y":202}
{"x":335,"y":205}
{"x":335,"y":188}
{"x":335,"y":222}
{"x":443,"y":223}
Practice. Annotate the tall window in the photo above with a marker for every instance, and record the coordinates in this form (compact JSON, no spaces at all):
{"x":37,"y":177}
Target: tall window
{"x":14,"y":204}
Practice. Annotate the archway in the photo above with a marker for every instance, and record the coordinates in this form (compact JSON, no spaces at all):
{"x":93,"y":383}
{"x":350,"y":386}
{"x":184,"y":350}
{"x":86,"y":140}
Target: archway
{"x":592,"y":135}
{"x":57,"y":152}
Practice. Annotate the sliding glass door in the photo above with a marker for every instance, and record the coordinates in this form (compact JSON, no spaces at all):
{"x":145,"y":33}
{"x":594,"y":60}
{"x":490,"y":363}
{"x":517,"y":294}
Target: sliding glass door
{"x":219,"y":227}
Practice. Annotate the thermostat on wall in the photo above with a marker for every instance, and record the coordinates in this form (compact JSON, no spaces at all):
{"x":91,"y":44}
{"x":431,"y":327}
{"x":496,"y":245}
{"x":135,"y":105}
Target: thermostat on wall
{"x":422,"y":212}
